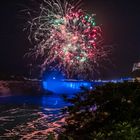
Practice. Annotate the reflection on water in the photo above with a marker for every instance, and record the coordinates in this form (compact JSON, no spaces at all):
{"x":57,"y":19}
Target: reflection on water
{"x":52,"y":102}
{"x":30,"y":117}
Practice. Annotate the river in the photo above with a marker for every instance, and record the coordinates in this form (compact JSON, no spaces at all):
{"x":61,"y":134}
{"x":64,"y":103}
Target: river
{"x":30,"y":117}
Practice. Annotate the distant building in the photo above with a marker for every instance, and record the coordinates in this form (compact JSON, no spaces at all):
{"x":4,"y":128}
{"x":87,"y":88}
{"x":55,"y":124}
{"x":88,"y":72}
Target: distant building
{"x":136,"y":66}
{"x":136,"y":71}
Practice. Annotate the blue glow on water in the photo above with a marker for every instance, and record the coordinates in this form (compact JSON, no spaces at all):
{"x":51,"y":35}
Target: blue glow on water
{"x":64,"y":86}
{"x":55,"y":83}
{"x":69,"y":87}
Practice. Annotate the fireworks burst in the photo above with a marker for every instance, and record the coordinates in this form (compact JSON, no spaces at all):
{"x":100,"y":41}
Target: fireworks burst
{"x":67,"y":38}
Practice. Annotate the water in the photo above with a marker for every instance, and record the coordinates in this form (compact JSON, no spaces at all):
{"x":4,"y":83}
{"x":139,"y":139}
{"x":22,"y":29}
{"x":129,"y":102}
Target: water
{"x":33,"y":117}
{"x":30,"y":117}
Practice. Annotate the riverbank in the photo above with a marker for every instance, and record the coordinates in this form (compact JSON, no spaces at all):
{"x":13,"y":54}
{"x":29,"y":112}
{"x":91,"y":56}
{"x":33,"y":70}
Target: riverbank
{"x":24,"y":87}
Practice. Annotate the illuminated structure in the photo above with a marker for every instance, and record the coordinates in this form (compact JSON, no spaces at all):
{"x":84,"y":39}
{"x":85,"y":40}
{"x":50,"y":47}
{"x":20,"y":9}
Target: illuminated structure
{"x":73,"y":86}
{"x":136,"y":71}
{"x":136,"y":67}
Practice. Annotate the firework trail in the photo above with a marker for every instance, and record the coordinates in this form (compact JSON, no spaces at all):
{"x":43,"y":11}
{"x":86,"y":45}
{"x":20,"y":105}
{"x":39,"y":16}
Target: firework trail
{"x":67,"y":38}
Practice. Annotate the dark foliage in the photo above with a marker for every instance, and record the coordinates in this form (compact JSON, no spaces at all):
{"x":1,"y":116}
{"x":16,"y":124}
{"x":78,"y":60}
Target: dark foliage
{"x":110,"y":112}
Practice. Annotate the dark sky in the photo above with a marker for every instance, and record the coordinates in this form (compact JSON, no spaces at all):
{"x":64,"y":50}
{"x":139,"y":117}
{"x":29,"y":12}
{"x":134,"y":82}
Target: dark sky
{"x":120,"y":20}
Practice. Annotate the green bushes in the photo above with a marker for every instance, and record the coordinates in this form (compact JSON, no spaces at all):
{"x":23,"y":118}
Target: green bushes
{"x":120,"y":131}
{"x":110,"y":112}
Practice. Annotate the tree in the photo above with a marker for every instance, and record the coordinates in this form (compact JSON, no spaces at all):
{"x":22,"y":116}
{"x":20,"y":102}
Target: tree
{"x":109,"y":112}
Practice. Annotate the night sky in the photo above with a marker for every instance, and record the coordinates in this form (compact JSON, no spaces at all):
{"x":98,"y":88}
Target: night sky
{"x":120,"y":22}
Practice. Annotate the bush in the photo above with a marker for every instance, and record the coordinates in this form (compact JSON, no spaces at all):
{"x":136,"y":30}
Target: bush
{"x":109,"y":112}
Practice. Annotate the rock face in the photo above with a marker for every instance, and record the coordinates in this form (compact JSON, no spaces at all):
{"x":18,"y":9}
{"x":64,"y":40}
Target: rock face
{"x":4,"y":89}
{"x":20,"y":87}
